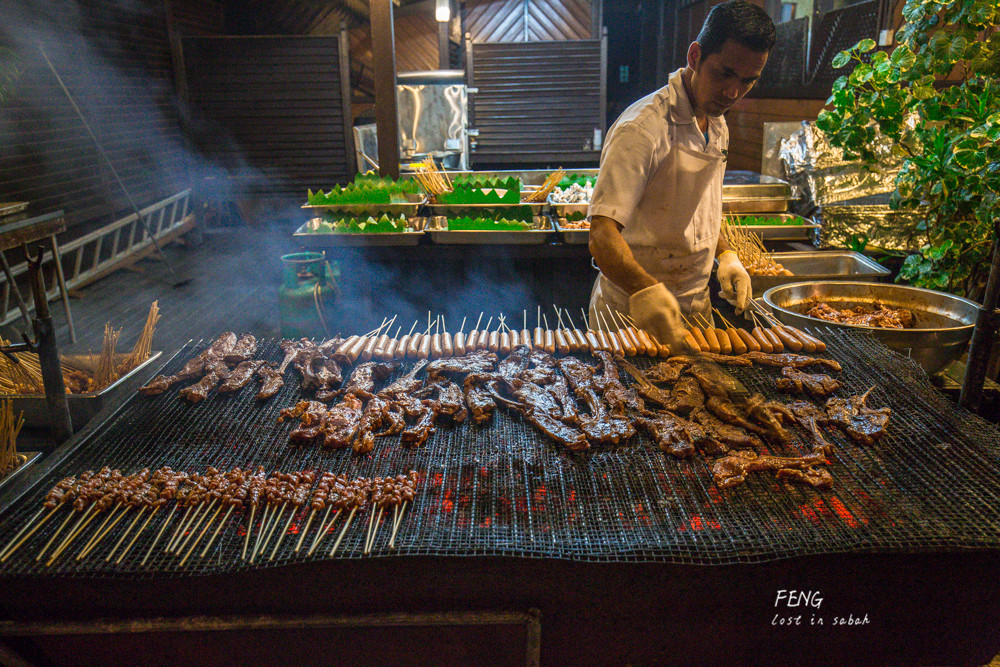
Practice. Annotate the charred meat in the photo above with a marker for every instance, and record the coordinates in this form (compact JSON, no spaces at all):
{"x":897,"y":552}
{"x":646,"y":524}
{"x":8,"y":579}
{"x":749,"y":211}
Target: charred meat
{"x":793,"y":380}
{"x":731,"y":470}
{"x":788,"y":359}
{"x":861,"y":423}
{"x":241,"y":376}
{"x":673,"y":434}
{"x":876,"y":315}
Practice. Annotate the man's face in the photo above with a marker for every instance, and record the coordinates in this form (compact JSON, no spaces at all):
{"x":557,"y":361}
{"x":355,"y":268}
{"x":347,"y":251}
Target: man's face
{"x":721,"y":79}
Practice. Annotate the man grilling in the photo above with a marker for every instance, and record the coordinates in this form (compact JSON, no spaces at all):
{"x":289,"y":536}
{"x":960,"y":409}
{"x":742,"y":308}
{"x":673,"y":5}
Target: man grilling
{"x":657,"y":207}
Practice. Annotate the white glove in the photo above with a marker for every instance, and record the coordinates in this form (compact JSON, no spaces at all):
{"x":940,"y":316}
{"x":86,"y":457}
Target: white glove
{"x":656,"y":310}
{"x":735,"y":281}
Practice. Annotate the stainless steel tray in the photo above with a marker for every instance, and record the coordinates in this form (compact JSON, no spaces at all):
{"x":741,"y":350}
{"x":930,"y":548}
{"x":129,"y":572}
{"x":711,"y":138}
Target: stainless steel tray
{"x":802,"y":232}
{"x":755,"y":205}
{"x":409,"y":209}
{"x":820,"y":265}
{"x":535,"y":236}
{"x":30,"y":458}
{"x":562,"y":210}
{"x":327,"y":240}
{"x":572,"y":236}
{"x":83,"y":407}
{"x":750,"y":185}
{"x":456,"y":209}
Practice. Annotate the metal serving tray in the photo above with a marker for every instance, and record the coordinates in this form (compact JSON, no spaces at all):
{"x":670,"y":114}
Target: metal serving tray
{"x":820,"y":265}
{"x":562,"y":210}
{"x":30,"y":458}
{"x":458,"y":209}
{"x":535,"y":236}
{"x":83,"y":407}
{"x":801,"y":232}
{"x":325,"y":240}
{"x":10,"y":208}
{"x":572,"y":236}
{"x":409,"y":209}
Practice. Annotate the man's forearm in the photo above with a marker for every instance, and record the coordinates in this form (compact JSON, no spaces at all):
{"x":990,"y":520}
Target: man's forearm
{"x":614,"y":258}
{"x":721,"y":246}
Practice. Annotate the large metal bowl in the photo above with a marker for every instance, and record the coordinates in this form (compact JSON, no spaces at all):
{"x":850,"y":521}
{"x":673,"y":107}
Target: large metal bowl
{"x":943,"y":322}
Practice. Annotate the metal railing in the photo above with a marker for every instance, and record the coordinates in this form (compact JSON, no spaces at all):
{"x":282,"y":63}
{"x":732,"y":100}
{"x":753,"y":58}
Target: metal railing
{"x":104,"y":250}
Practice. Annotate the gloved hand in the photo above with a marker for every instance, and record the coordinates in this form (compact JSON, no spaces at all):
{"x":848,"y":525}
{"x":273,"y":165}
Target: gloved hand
{"x":735,"y":281}
{"x":656,"y":310}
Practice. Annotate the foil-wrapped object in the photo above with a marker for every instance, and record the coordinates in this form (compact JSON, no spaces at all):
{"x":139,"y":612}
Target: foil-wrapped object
{"x":872,"y":226}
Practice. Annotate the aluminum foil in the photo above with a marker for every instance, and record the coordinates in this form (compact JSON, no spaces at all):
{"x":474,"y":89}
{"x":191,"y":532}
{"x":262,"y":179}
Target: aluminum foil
{"x":871,"y":226}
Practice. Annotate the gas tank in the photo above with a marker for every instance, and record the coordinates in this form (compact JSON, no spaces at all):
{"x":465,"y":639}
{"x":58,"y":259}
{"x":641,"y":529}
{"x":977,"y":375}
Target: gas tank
{"x":308,"y":295}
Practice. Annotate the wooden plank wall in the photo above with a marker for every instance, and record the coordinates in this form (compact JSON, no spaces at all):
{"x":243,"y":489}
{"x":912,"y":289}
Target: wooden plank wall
{"x":528,"y":20}
{"x":115,"y":59}
{"x":538,"y":102}
{"x":270,"y":111}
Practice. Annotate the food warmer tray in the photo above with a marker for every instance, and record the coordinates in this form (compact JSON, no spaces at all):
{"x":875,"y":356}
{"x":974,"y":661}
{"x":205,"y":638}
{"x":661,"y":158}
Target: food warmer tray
{"x":83,"y":407}
{"x":459,"y":209}
{"x":572,"y":236}
{"x":821,"y":265}
{"x":30,"y":458}
{"x":562,"y":210}
{"x":409,"y":208}
{"x":801,"y":232}
{"x":326,"y":240}
{"x":437,"y":230}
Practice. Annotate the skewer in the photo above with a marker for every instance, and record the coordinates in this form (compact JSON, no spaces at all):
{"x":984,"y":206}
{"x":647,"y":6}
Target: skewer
{"x":173,"y":538}
{"x":216,"y":533}
{"x":51,"y":539}
{"x":268,"y":508}
{"x":538,"y":337}
{"x":175,"y":546}
{"x":484,"y":336}
{"x":581,"y":340}
{"x":137,"y":534}
{"x":374,"y":533}
{"x":284,"y":531}
{"x":395,"y":526}
{"x":187,"y":539}
{"x":305,"y":530}
{"x":274,"y":525}
{"x":200,"y":535}
{"x":69,"y":540}
{"x":613,"y":339}
{"x":9,"y":550}
{"x":389,"y":351}
{"x":404,"y":342}
{"x":125,"y":534}
{"x":323,"y":527}
{"x":100,"y":534}
{"x":368,"y":537}
{"x":630,"y":341}
{"x":472,"y":342}
{"x":343,"y":531}
{"x":246,"y":537}
{"x":159,"y":535}
{"x":459,"y":340}
{"x":504,"y":345}
{"x":25,"y":527}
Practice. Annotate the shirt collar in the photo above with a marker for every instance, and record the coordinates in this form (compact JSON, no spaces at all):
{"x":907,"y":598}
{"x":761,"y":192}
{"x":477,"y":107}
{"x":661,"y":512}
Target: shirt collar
{"x":681,"y":112}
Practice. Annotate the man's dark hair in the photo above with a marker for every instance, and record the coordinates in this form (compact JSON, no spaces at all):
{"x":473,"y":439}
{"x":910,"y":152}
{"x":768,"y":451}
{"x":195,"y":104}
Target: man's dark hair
{"x":738,"y":20}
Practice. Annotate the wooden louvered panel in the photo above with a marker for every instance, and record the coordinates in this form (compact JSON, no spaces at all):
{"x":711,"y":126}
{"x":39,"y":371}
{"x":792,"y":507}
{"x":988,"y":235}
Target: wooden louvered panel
{"x":416,"y":41}
{"x":537,"y":102}
{"x":115,"y":60}
{"x":495,"y":20}
{"x":197,"y":17}
{"x":549,"y":20}
{"x":272,"y":110}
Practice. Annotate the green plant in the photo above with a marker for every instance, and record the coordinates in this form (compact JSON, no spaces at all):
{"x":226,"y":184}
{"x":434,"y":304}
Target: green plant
{"x":9,"y":73}
{"x":936,"y":98}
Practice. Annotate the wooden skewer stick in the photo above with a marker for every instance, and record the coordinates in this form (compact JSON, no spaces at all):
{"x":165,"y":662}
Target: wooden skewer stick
{"x":323,"y":526}
{"x":200,"y":535}
{"x":152,"y":546}
{"x":261,"y":531}
{"x":395,"y":526}
{"x":24,"y":528}
{"x":246,"y":538}
{"x":368,"y":537}
{"x":378,"y":523}
{"x":186,"y":522}
{"x":54,"y":536}
{"x":183,"y":521}
{"x":284,"y":531}
{"x":99,"y":533}
{"x":137,"y":534}
{"x":276,"y":519}
{"x":343,"y":531}
{"x":305,"y":530}
{"x":69,"y":540}
{"x":194,"y":529}
{"x":216,"y":533}
{"x":125,"y":534}
{"x":9,"y":550}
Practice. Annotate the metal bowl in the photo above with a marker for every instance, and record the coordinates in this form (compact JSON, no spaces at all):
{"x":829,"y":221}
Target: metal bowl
{"x":943,"y":322}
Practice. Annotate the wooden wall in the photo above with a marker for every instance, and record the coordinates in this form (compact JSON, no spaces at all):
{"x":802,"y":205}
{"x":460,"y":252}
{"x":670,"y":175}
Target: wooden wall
{"x":528,"y":20}
{"x":746,"y":126}
{"x":115,"y":59}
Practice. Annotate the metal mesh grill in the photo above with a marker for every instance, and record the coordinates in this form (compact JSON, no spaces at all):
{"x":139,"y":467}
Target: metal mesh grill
{"x":503,"y":489}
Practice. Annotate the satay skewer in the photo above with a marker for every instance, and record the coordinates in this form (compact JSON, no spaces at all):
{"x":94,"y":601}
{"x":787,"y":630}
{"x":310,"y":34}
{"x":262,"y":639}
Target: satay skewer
{"x":156,"y":541}
{"x":368,"y":536}
{"x":323,"y":530}
{"x":343,"y":530}
{"x":184,"y":529}
{"x":216,"y":533}
{"x":374,"y":533}
{"x":309,"y":519}
{"x":73,"y":535}
{"x":187,"y":539}
{"x":54,"y":535}
{"x":395,"y":526}
{"x":128,"y":530}
{"x":284,"y":531}
{"x":459,"y":340}
{"x":275,"y":519}
{"x":137,"y":534}
{"x":9,"y":549}
{"x":100,"y":534}
{"x":194,"y":544}
{"x":246,"y":536}
{"x":185,"y":520}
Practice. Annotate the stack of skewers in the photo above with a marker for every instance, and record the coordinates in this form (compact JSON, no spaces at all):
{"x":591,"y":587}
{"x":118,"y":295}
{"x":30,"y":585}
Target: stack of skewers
{"x":750,"y":249}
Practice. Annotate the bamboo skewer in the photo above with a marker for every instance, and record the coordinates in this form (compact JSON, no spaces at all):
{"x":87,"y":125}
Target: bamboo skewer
{"x":54,"y":536}
{"x":25,"y":527}
{"x":201,"y":534}
{"x":378,"y":523}
{"x":73,"y":534}
{"x":324,"y":529}
{"x":180,"y":525}
{"x":284,"y":531}
{"x":246,"y":537}
{"x":194,"y":529}
{"x":137,"y":534}
{"x":395,"y":526}
{"x":305,"y":530}
{"x":268,"y":508}
{"x":125,"y":534}
{"x":101,"y":533}
{"x":368,"y":537}
{"x":159,"y":535}
{"x":216,"y":533}
{"x":343,"y":531}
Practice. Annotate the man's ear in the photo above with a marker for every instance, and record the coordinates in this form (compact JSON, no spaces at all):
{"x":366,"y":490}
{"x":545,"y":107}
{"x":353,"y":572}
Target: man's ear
{"x":694,"y":55}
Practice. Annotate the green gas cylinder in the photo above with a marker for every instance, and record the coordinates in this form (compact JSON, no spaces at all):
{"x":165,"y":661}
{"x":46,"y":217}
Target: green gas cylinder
{"x":308,"y":294}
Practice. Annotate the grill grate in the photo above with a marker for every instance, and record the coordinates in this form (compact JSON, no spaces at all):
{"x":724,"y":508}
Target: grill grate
{"x":503,"y":489}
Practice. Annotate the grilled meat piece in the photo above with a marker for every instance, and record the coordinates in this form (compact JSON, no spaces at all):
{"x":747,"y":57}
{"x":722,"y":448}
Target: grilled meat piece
{"x":481,"y":361}
{"x":666,"y":372}
{"x":686,"y":396}
{"x":452,"y":401}
{"x":804,"y":383}
{"x":811,"y":416}
{"x":244,"y":348}
{"x":714,"y":381}
{"x":407,"y":383}
{"x":623,"y":400}
{"x":305,"y":434}
{"x":310,"y":412}
{"x":788,"y":359}
{"x":673,"y":434}
{"x":341,"y":423}
{"x":771,"y":415}
{"x":372,"y":418}
{"x":158,"y":385}
{"x":861,"y":423}
{"x":878,"y":315}
{"x":541,"y":359}
{"x":721,"y":436}
{"x":725,"y":359}
{"x":731,"y":470}
{"x":730,"y":413}
{"x":364,"y":377}
{"x":241,"y":376}
{"x":514,"y":363}
{"x":199,"y":391}
{"x":291,"y":349}
{"x":567,"y":436}
{"x":416,"y":435}
{"x":271,"y":382}
{"x":819,"y":478}
{"x":560,"y":392}
{"x":478,"y":399}
{"x":539,"y":375}
{"x":646,"y":389}
{"x":194,"y":368}
{"x":600,"y":426}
